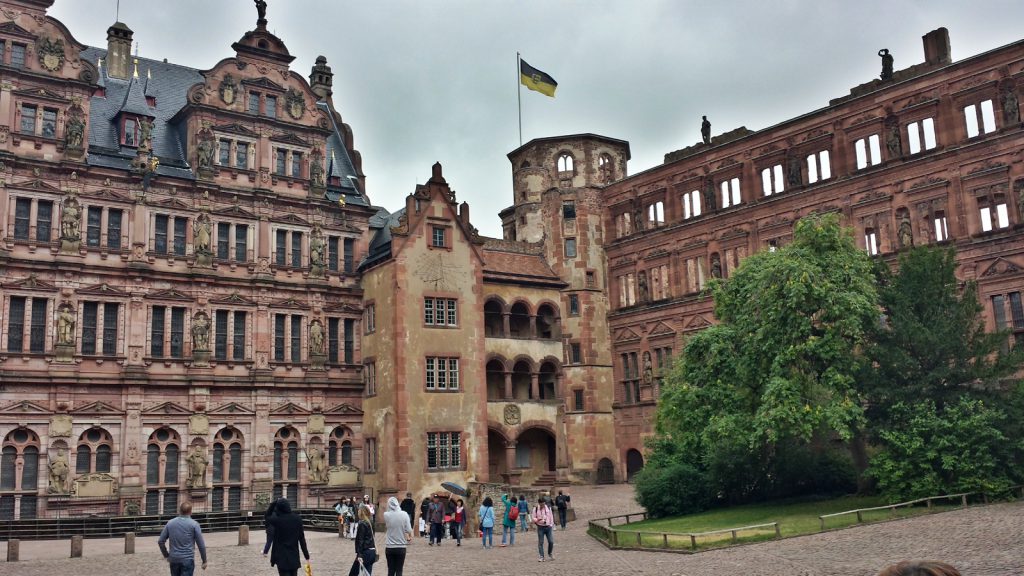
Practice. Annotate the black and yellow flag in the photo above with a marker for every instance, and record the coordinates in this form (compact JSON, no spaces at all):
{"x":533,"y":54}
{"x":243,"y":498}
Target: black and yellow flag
{"x":536,"y":80}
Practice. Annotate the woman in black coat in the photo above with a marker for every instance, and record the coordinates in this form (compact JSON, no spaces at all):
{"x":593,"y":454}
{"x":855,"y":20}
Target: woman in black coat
{"x":285,"y":531}
{"x":366,"y":551}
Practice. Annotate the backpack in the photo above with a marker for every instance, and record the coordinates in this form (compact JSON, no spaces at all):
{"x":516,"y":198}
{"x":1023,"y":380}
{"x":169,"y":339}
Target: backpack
{"x":560,"y":502}
{"x":513,"y":513}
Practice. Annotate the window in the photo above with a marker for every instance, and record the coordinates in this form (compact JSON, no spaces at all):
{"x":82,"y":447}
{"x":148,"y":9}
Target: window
{"x":169,"y":232}
{"x":94,"y":219}
{"x":772,"y":181}
{"x":280,"y":247}
{"x":22,"y":218}
{"x":590,"y":280}
{"x":131,"y":132}
{"x":296,"y":338}
{"x":577,"y":400}
{"x":16,"y":324}
{"x":49,"y":123}
{"x":288,"y":338}
{"x":286,"y":462}
{"x":574,"y":305}
{"x":340,"y":441}
{"x":691,"y":204}
{"x":229,"y":322}
{"x":28,"y":119}
{"x":442,"y":373}
{"x":1015,"y":322}
{"x":349,"y":255}
{"x":280,"y":161}
{"x":656,"y":214}
{"x":993,"y":211}
{"x":160,"y":234}
{"x":93,"y":336}
{"x":730,"y":192}
{"x":444,"y":451}
{"x":94,"y":452}
{"x":370,"y":318}
{"x":254,"y":102}
{"x":332,"y":253}
{"x":370,"y":378}
{"x":179,"y":235}
{"x":437,"y":237}
{"x":568,"y":209}
{"x":980,"y":118}
{"x":297,"y":249}
{"x":941,"y":228}
{"x":630,"y":378}
{"x":220,"y":335}
{"x":279,"y":336}
{"x":371,"y":455}
{"x":627,"y":290}
{"x":871,"y":241}
{"x":270,"y":106}
{"x":227,"y":470}
{"x":440,"y":312}
{"x":37,"y":328}
{"x":162,"y":449}
{"x":23,"y":444}
{"x":570,"y":247}
{"x":242,"y":155}
{"x":238,"y":336}
{"x":223,"y":240}
{"x":114,"y":218}
{"x":296,"y":165}
{"x":224,"y":158}
{"x":869,"y":151}
{"x":44,"y":220}
{"x":659,"y":282}
{"x":164,"y":343}
{"x":575,"y":353}
{"x":94,"y":227}
{"x":18,"y":55}
{"x":819,"y":167}
{"x":350,"y":341}
{"x":921,"y":135}
{"x":696,"y":274}
{"x":565,"y":163}
{"x":333,"y":344}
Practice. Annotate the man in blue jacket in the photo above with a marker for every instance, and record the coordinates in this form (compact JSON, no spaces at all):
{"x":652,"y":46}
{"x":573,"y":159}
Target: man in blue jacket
{"x":184,"y":534}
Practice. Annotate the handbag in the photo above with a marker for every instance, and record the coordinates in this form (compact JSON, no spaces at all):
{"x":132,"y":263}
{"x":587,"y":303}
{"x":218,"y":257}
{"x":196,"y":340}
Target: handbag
{"x":309,"y":569}
{"x":363,"y":571}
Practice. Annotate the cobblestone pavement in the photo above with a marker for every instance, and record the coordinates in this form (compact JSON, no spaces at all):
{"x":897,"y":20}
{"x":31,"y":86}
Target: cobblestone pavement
{"x":981,"y":541}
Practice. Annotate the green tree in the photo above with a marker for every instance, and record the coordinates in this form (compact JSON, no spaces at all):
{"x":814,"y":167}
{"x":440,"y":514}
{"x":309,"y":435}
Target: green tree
{"x":933,"y":344}
{"x":781,"y":363}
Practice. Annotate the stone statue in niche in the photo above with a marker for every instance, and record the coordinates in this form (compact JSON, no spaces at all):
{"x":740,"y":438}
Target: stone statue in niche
{"x":887,"y":61}
{"x":206,"y":147}
{"x":197,"y":468}
{"x":315,"y":465}
{"x":70,"y":222}
{"x":1018,"y":190}
{"x":641,"y":282}
{"x":905,"y":232}
{"x":893,"y":144}
{"x":709,"y":195}
{"x":1011,"y":105}
{"x":203,"y":234}
{"x":66,"y":325}
{"x":316,"y":252}
{"x":716,"y":265}
{"x":316,"y":168}
{"x":794,"y":172}
{"x":58,"y":467}
{"x":316,"y":338}
{"x":145,"y":134}
{"x":201,"y":332}
{"x":638,"y":219}
{"x":648,"y":369}
{"x":705,"y":130}
{"x":74,"y":133}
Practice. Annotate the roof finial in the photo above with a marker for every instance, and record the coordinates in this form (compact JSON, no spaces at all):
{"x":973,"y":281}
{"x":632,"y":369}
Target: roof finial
{"x":135,"y":72}
{"x":261,"y":12}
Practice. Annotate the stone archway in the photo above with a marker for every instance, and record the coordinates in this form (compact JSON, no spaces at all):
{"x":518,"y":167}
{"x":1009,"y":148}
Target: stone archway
{"x":634,"y":463}
{"x":497,"y":464}
{"x":605,"y":471}
{"x":535,"y":453}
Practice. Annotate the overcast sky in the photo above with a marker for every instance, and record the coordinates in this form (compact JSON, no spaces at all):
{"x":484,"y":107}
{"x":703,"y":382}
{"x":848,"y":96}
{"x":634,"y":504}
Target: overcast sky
{"x":422,"y":81}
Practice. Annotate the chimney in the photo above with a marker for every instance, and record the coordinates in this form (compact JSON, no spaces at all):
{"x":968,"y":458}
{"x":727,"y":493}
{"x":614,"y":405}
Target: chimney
{"x":320,"y":78}
{"x":936,"y":47}
{"x":119,"y":50}
{"x":464,"y":213}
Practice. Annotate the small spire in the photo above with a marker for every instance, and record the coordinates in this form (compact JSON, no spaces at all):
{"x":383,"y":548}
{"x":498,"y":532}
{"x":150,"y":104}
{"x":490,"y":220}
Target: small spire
{"x":99,"y":63}
{"x":135,"y":72}
{"x":149,"y":73}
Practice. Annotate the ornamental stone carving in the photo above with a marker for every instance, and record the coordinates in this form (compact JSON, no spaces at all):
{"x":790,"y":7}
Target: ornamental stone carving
{"x":58,"y":467}
{"x":51,"y":54}
{"x":228,"y":89}
{"x":512,"y":415}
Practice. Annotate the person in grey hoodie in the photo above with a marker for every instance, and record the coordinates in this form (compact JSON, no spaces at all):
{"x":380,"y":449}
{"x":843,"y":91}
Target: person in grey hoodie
{"x":184,"y":534}
{"x":399,"y":532}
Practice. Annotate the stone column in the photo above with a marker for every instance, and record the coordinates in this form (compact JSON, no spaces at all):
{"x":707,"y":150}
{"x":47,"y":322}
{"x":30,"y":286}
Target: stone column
{"x":508,"y":385}
{"x":533,"y":327}
{"x":535,"y":386}
{"x":506,"y":324}
{"x":510,"y":456}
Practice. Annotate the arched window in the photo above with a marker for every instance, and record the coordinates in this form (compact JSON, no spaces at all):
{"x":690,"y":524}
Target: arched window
{"x":547,"y":322}
{"x":565,"y":163}
{"x":339,"y":447}
{"x":519,"y":321}
{"x":95,"y":452}
{"x":20,"y":444}
{"x":162,"y":459}
{"x":546,"y":381}
{"x":521,"y":381}
{"x":494,"y":320}
{"x":227,"y":470}
{"x":495,"y":380}
{"x":605,"y":168}
{"x":286,"y":464}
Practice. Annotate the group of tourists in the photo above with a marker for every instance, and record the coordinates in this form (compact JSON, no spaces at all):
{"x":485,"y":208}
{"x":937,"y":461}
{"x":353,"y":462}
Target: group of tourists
{"x":517,"y":508}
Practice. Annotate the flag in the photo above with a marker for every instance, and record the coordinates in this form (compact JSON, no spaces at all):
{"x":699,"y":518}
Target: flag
{"x":536,"y":80}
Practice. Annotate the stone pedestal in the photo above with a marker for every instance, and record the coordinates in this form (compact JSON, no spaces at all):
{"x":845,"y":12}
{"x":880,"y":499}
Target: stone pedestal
{"x":64,"y":353}
{"x":204,"y":260}
{"x":129,"y":543}
{"x":69,"y":246}
{"x":201,"y":358}
{"x":76,"y":546}
{"x":317,"y":361}
{"x":243,"y":535}
{"x":13,"y":550}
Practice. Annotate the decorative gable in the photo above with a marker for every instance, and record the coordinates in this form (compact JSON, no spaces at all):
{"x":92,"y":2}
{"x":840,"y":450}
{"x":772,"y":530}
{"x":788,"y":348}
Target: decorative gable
{"x":263,"y":83}
{"x":167,"y":408}
{"x":170,"y":294}
{"x":626,"y":335}
{"x":40,"y":94}
{"x":232,"y":409}
{"x":234,"y":299}
{"x":344,"y":409}
{"x":97,"y":408}
{"x":234,"y":211}
{"x":11,"y":29}
{"x":290,"y":219}
{"x":698,"y":322}
{"x":290,"y":303}
{"x":661,"y":329}
{"x":107,"y":195}
{"x":24,"y":407}
{"x":32,"y":282}
{"x":289,"y":138}
{"x":105,"y":290}
{"x":236,"y":129}
{"x":173,"y":203}
{"x":342,"y":307}
{"x":289,"y":409}
{"x":37,"y":184}
{"x":1000,"y":267}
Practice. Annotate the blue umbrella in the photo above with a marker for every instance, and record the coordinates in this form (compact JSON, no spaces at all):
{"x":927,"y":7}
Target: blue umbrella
{"x":455,"y":489}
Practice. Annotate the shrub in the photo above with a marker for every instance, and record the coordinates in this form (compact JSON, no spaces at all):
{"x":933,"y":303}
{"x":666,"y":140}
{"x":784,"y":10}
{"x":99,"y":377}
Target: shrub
{"x":671,"y":490}
{"x":822,"y":471}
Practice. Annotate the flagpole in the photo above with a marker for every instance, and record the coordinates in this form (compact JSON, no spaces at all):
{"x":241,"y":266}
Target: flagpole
{"x":519,"y":98}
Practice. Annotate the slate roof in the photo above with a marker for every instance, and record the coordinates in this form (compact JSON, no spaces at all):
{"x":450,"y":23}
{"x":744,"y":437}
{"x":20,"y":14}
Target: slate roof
{"x":380,"y":245}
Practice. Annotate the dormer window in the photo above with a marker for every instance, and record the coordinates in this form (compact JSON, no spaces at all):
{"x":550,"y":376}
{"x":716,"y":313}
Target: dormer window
{"x":130,"y":132}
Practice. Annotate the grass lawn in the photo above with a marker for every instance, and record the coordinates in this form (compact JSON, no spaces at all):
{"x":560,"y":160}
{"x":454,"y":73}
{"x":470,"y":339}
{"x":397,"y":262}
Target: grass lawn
{"x":794,"y":517}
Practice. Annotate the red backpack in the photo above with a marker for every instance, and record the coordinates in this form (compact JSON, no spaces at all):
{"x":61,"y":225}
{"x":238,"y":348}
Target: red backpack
{"x":513,"y":512}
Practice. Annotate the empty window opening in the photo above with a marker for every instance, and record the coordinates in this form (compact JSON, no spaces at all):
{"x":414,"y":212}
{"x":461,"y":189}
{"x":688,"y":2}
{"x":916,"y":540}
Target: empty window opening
{"x":980,"y":118}
{"x":871,"y":241}
{"x":941,"y":228}
{"x":565,"y":163}
{"x":730,"y":192}
{"x":869,"y":151}
{"x":921,"y":135}
{"x":691,"y":204}
{"x":656,"y":214}
{"x":819,"y":167}
{"x":772,"y":181}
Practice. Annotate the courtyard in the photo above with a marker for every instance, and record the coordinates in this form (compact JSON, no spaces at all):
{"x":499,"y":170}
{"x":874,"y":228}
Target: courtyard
{"x":980,"y":541}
